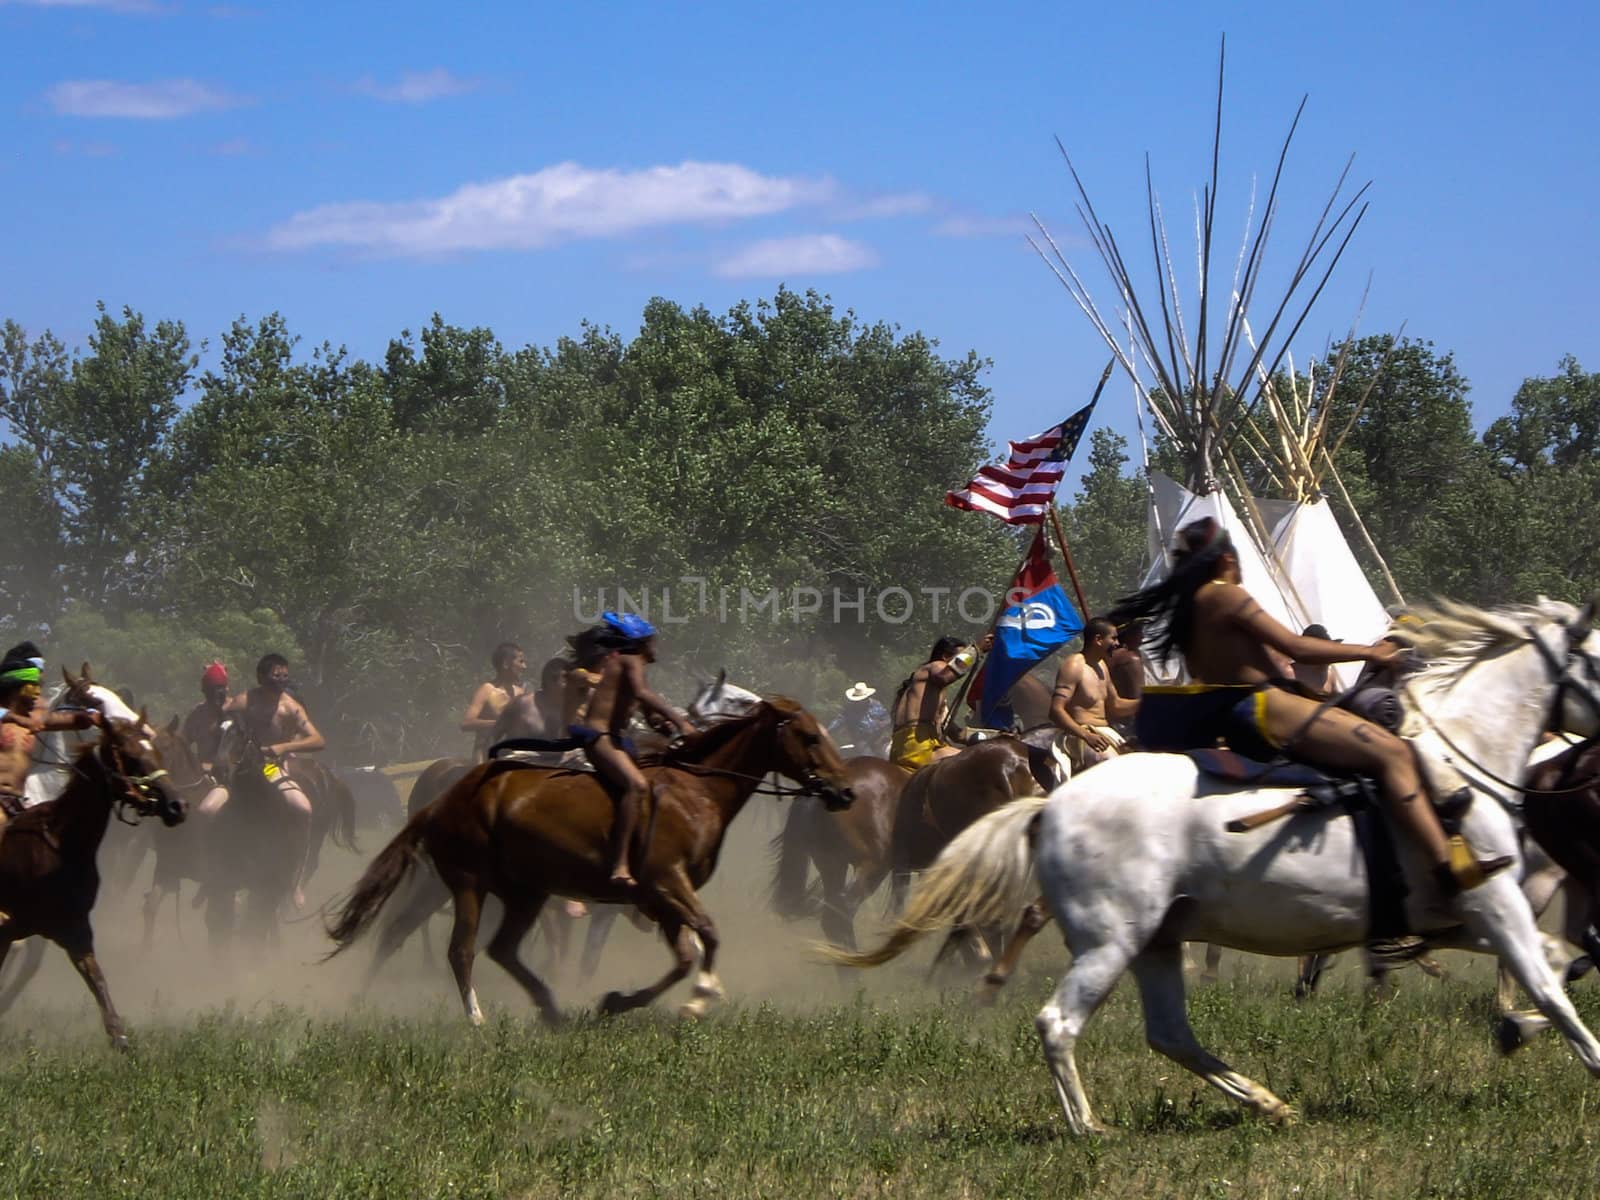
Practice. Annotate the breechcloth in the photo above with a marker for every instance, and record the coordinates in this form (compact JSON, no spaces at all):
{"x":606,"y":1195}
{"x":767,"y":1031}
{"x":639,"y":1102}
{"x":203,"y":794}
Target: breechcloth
{"x":913,"y":746}
{"x":11,"y":805}
{"x":586,"y":737}
{"x":1195,"y":716}
{"x":1083,"y":757}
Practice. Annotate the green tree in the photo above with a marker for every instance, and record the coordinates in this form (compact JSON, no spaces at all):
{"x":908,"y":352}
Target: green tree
{"x":1106,"y":523}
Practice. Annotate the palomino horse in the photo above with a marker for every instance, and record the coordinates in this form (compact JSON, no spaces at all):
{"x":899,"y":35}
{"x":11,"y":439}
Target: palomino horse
{"x":48,"y":877}
{"x":527,"y":833}
{"x":1132,"y":862}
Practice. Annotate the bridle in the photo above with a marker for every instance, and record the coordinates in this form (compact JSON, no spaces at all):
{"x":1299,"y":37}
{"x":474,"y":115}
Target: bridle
{"x":811,"y":784}
{"x":1587,"y":689}
{"x":137,"y":791}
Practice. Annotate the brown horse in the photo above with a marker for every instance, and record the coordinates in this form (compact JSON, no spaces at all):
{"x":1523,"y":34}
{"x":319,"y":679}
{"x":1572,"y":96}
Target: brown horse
{"x":850,"y":850}
{"x":527,"y":833}
{"x":48,"y":877}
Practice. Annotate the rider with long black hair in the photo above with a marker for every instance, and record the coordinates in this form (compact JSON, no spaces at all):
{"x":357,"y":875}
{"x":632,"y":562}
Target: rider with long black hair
{"x":1241,"y":694}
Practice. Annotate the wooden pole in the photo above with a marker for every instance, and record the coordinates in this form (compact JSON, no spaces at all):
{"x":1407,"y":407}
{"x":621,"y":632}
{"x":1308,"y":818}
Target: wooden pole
{"x":1072,"y":570}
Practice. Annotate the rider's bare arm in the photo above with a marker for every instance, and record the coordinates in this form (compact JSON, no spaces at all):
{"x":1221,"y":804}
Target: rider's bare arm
{"x":306,"y":736}
{"x":477,"y":716}
{"x":648,"y":700}
{"x":1067,"y":680}
{"x":1260,"y":625}
{"x":79,"y":719}
{"x":1118,"y":708}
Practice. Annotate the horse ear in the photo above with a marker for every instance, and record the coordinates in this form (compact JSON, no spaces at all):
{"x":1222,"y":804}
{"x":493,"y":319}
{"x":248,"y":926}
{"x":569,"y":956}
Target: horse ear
{"x":144,"y":716}
{"x":722,"y":678}
{"x":88,"y":675}
{"x":1586,"y":617}
{"x":173,"y":726}
{"x":66,"y":677}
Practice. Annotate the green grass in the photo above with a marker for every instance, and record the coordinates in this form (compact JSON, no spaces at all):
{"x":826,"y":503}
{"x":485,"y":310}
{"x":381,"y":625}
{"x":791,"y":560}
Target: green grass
{"x":903,"y":1094}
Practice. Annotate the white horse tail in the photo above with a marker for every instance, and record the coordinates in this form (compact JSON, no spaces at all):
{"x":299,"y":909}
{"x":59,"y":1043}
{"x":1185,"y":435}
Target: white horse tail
{"x":984,"y":877}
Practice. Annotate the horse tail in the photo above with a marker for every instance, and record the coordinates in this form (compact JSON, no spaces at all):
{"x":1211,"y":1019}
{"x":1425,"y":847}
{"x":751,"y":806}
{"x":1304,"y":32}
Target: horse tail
{"x":791,"y":899}
{"x":984,"y":877}
{"x":344,"y":817}
{"x":385,"y":873}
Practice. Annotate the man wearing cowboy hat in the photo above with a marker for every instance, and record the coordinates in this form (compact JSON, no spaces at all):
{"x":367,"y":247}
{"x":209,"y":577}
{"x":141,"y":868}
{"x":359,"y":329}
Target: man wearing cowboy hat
{"x":862,"y":722}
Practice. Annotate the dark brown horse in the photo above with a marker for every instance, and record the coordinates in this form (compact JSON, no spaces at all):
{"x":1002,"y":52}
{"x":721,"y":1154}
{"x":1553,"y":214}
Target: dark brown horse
{"x":525,"y":834}
{"x":252,"y":847}
{"x":849,"y":848}
{"x":48,"y":876}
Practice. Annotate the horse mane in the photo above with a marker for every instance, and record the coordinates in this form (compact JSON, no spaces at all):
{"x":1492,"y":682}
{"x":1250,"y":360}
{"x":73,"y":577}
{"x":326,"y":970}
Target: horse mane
{"x":1453,"y":637}
{"x":702,"y":745}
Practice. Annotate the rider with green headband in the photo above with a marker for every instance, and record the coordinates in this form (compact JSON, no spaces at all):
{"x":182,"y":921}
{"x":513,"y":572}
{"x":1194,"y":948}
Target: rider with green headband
{"x":21,"y":673}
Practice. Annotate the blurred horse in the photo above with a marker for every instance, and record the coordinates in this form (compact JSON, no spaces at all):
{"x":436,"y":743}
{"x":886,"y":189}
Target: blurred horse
{"x":526,"y":833}
{"x":48,"y":877}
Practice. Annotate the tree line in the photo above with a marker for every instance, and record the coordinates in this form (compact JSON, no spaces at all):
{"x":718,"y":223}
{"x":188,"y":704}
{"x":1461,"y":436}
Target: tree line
{"x":769,"y":481}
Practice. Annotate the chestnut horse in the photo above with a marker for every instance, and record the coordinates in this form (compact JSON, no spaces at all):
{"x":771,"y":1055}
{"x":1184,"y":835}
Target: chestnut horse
{"x":48,"y":876}
{"x":526,"y":833}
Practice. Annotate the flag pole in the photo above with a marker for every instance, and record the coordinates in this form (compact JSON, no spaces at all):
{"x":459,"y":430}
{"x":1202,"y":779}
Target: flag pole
{"x":1072,"y":570}
{"x":1055,"y":519}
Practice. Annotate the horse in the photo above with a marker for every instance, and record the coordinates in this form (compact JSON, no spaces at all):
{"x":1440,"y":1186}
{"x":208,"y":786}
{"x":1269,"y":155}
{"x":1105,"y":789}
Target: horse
{"x":250,"y":845}
{"x":527,"y":833}
{"x":1135,"y":857}
{"x":48,"y":877}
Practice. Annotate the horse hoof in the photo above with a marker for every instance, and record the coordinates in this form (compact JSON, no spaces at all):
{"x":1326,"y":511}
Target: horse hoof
{"x":692,"y":1010}
{"x":1279,"y":1113}
{"x":1508,"y":1037}
{"x":613,"y":1003}
{"x":1579,"y":967}
{"x":119,"y":1043}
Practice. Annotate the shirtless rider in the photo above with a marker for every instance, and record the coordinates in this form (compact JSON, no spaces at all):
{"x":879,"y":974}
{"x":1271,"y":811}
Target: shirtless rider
{"x":280,"y":725}
{"x":1086,"y":700}
{"x":916,"y":742}
{"x":614,"y":655}
{"x":1230,"y":642}
{"x":492,"y":696}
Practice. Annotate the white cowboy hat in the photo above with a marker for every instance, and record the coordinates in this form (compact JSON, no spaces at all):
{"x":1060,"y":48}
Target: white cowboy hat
{"x":859,"y":691}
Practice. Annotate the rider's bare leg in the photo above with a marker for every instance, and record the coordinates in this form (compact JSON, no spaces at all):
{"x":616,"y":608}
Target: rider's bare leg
{"x":211,"y":803}
{"x":1336,"y":738}
{"x":300,"y":813}
{"x":615,"y":763}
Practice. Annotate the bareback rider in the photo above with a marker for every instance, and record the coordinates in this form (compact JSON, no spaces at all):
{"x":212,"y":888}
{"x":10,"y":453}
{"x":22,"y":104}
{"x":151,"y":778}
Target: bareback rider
{"x":279,"y":724}
{"x":1230,"y":642}
{"x":492,"y":696}
{"x":21,"y":673}
{"x":614,"y":655}
{"x":918,"y":705}
{"x":1086,"y":701}
{"x":202,"y":731}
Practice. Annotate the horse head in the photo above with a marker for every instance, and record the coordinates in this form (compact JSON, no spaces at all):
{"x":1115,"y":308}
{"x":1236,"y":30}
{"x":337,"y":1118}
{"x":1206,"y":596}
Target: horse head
{"x":131,"y":760}
{"x":720,"y":700}
{"x":184,"y":771}
{"x":1580,"y":686}
{"x":807,"y":754}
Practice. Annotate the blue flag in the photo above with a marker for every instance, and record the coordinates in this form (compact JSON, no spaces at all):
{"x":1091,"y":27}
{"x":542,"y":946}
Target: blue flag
{"x":1037,"y":620}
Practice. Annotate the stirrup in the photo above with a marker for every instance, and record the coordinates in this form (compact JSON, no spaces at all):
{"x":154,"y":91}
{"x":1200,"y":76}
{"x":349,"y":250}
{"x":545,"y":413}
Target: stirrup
{"x":1465,"y":870}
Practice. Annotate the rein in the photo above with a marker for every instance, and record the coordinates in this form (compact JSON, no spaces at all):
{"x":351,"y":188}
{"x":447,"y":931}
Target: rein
{"x":1563,"y":685}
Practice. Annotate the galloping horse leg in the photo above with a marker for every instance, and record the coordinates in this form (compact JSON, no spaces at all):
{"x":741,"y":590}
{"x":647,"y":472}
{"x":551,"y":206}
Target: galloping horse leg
{"x":78,"y":942}
{"x":1208,"y":973}
{"x":1034,"y":918}
{"x":693,"y":938}
{"x":1082,"y":989}
{"x":1159,"y":970}
{"x":1503,"y":919}
{"x":601,"y":918}
{"x":686,"y":951}
{"x":32,"y":959}
{"x":833,"y":916}
{"x":425,"y":900}
{"x":463,"y":944}
{"x":520,"y":915}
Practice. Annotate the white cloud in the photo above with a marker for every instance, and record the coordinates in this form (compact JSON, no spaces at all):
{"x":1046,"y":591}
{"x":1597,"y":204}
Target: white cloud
{"x":561,"y":203}
{"x":804,"y":254}
{"x":979,"y":227}
{"x":417,"y":87}
{"x":125,"y":6}
{"x":161,"y":100}
{"x":891,"y":204}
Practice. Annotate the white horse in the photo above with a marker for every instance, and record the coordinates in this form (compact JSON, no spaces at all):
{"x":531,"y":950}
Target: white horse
{"x":1132,"y":862}
{"x":56,"y":750}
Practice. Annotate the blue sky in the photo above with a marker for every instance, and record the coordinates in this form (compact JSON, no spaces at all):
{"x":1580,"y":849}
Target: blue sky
{"x":360,"y":166}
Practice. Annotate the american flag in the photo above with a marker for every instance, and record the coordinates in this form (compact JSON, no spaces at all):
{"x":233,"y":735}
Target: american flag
{"x":1021,"y":491}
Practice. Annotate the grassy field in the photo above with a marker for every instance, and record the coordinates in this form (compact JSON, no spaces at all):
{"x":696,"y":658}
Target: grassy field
{"x":918,"y":1096}
{"x":264,"y":1077}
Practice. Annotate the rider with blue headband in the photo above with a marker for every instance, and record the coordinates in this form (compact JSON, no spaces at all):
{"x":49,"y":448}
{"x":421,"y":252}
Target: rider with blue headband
{"x":613,"y":655}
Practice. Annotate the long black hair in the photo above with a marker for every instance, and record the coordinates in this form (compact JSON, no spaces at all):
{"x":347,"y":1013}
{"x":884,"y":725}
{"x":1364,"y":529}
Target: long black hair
{"x":1196,"y":561}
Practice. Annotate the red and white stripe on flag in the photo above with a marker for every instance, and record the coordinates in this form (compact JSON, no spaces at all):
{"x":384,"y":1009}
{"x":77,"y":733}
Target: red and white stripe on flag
{"x":1021,"y":491}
